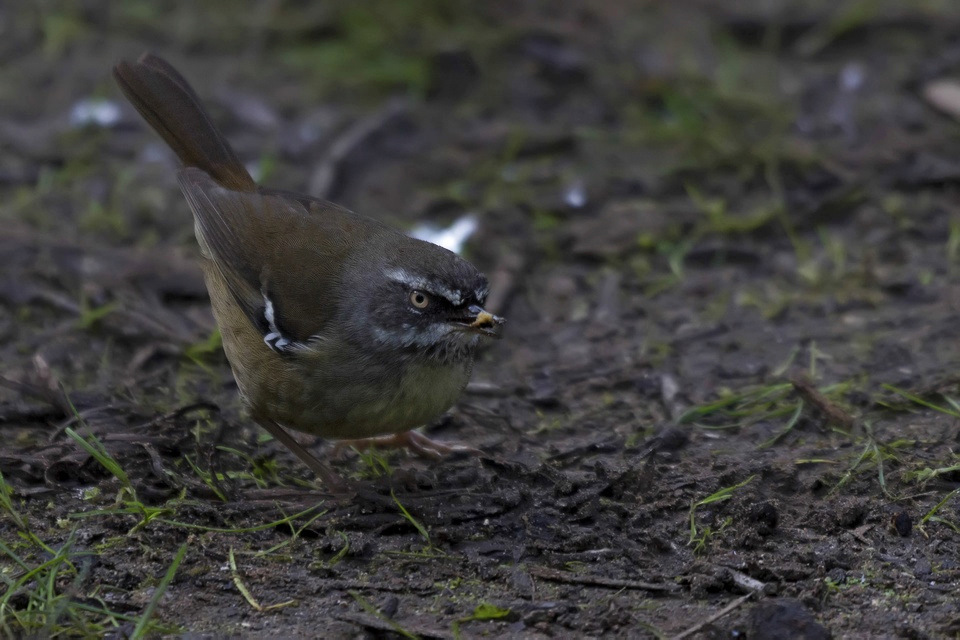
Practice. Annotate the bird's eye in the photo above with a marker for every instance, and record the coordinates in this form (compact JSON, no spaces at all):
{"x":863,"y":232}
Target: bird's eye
{"x":419,"y":299}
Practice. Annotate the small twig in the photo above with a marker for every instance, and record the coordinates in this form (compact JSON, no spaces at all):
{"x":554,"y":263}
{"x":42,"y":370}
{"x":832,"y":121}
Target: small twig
{"x":334,"y":584}
{"x":44,"y":386}
{"x":17,"y":414}
{"x":325,"y":175}
{"x":59,"y":301}
{"x":745,"y":582}
{"x":829,"y":409}
{"x":484,"y":389}
{"x":669,"y":390}
{"x":719,"y":614}
{"x":179,"y":413}
{"x":157,"y":465}
{"x":503,"y":280}
{"x":123,"y":321}
{"x":373,"y":622}
{"x":246,"y":593}
{"x":596,"y":581}
{"x":607,"y":309}
{"x":858,"y":534}
{"x":144,"y":354}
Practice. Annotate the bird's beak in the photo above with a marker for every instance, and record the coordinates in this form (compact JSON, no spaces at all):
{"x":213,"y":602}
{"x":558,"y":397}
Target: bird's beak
{"x":480,"y":321}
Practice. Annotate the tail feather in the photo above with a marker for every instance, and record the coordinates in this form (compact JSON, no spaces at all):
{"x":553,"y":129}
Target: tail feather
{"x":169,"y":104}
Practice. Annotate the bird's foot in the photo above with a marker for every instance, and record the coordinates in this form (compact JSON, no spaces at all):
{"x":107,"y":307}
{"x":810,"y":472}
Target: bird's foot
{"x":413,"y":441}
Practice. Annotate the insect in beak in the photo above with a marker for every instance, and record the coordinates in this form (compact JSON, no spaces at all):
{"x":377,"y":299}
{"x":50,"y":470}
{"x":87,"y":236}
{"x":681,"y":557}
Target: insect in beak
{"x":478,"y":320}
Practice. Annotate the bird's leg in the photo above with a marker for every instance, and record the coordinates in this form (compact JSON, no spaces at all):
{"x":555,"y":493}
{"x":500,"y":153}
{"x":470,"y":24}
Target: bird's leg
{"x":413,"y":441}
{"x":329,"y":477}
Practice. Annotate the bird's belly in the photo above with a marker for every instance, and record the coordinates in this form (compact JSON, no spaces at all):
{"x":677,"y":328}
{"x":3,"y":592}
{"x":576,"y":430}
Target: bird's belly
{"x":374,"y":403}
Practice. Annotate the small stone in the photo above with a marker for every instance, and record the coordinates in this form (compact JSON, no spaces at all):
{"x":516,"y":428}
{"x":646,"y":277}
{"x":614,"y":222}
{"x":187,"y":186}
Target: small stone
{"x":903,"y":523}
{"x":390,"y":606}
{"x":766,"y":516}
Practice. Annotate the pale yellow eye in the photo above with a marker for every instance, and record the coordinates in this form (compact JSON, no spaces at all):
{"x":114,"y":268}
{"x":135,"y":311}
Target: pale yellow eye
{"x":419,"y":299}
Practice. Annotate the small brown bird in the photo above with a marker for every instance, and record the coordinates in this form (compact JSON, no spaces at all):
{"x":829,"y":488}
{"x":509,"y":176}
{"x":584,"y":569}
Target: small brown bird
{"x":334,"y":324}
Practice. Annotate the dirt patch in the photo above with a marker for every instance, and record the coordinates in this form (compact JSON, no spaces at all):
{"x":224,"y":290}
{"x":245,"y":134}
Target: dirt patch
{"x":726,"y":244}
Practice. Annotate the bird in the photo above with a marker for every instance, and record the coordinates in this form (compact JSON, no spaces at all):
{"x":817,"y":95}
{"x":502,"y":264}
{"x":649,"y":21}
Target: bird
{"x":334,"y":324}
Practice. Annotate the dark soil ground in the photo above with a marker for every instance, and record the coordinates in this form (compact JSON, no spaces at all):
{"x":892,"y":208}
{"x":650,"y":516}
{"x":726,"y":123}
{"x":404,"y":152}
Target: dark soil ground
{"x":725,"y":237}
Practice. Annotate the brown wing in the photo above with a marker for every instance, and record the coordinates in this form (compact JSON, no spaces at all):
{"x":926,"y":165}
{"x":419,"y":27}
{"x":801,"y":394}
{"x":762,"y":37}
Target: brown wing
{"x":258,"y":239}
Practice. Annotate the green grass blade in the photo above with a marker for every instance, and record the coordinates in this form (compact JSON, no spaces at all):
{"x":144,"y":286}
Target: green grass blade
{"x":99,"y":453}
{"x":141,"y":629}
{"x":924,"y":403}
{"x":416,"y":523}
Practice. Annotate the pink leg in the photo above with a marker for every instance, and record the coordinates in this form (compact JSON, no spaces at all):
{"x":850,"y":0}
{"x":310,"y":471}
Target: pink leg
{"x":413,"y":441}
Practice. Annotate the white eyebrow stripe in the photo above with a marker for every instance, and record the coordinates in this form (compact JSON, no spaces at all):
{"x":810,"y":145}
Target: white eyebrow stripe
{"x":416,"y":282}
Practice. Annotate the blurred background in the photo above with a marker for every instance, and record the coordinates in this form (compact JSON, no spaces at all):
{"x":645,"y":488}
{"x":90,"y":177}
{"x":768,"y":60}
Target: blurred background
{"x":680,"y":205}
{"x":592,"y":152}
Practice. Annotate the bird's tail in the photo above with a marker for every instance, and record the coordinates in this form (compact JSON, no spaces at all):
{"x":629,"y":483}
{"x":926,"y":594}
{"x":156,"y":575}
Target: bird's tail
{"x":169,"y":105}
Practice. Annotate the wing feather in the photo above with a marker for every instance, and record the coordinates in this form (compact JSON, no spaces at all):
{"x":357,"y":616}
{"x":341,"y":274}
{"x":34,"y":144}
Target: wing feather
{"x":257,"y":240}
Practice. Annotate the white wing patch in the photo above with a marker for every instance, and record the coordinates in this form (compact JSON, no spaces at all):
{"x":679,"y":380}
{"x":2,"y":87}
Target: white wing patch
{"x":275,"y":339}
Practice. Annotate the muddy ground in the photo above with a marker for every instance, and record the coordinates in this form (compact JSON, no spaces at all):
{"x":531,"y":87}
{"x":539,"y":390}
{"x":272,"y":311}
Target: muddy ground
{"x":725,"y":237}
